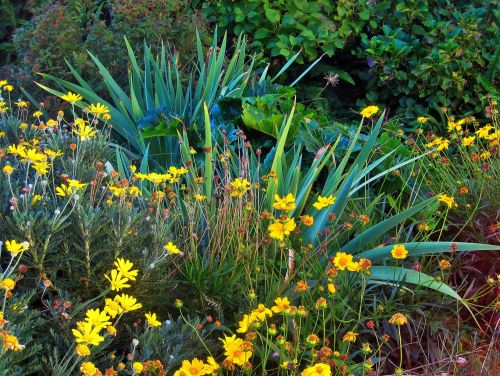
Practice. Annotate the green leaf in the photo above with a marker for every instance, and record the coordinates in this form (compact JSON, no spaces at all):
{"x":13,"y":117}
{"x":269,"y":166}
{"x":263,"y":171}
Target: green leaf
{"x":398,"y":275}
{"x":383,"y":227}
{"x":427,"y":248}
{"x":261,"y":33}
{"x":273,"y":16}
{"x":365,"y":15}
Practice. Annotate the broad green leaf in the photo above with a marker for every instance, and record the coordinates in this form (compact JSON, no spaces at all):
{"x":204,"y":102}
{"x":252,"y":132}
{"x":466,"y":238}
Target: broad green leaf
{"x":427,"y":248}
{"x":396,"y":275}
{"x":375,"y":232}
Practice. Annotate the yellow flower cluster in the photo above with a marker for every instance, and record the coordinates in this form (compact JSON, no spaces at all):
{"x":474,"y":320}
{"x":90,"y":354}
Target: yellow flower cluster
{"x":239,"y":187}
{"x":283,"y":226}
{"x":197,"y":367}
{"x":89,"y":332}
{"x":254,"y":319}
{"x":369,"y":111}
{"x":439,"y":144}
{"x":447,"y":200}
{"x":172,"y":176}
{"x":343,"y":261}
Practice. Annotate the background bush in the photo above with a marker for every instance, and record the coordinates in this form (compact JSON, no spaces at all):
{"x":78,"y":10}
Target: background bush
{"x":406,"y":54}
{"x":66,"y":30}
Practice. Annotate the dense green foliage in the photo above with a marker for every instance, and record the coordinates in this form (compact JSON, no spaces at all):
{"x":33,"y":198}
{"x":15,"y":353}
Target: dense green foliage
{"x":61,"y":31}
{"x":410,"y":54}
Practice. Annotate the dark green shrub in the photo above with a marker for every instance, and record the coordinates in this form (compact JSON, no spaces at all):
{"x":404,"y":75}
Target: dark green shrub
{"x":410,"y":55}
{"x":432,"y":54}
{"x":11,"y":16}
{"x":66,"y":30}
{"x":281,"y":27}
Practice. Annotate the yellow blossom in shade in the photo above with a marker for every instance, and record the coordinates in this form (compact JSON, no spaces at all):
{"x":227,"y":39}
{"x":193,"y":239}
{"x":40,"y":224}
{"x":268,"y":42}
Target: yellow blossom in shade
{"x":423,"y":119}
{"x":73,"y":183}
{"x":485,"y":155}
{"x":117,"y":280}
{"x":399,"y":251}
{"x":31,"y":156}
{"x":448,"y":200}
{"x":444,"y":144}
{"x":318,"y":369}
{"x":52,"y":154}
{"x":111,"y":330}
{"x":211,"y":366}
{"x":282,"y":305}
{"x":51,"y":123}
{"x":483,"y":132}
{"x":113,"y":307}
{"x":63,"y":190}
{"x":8,"y":170}
{"x":84,"y":131}
{"x":98,"y":109}
{"x":172,"y":248}
{"x":71,"y":97}
{"x":124,"y":267}
{"x":342,"y":260}
{"x":195,"y":367}
{"x":307,"y":220}
{"x":15,"y":150}
{"x":128,"y":303}
{"x":82,"y":350}
{"x":151,"y":319}
{"x":37,"y":114}
{"x":3,"y":83}
{"x":236,"y":350}
{"x":261,"y":312}
{"x":281,"y":228}
{"x":494,"y":138}
{"x":323,"y":202}
{"x":41,"y":167}
{"x":369,"y":111}
{"x":175,"y":173}
{"x":35,"y":199}
{"x":87,"y":334}
{"x":200,"y":198}
{"x":97,"y":318}
{"x":106,"y":117}
{"x":244,"y":324}
{"x":467,"y":141}
{"x":11,"y":342}
{"x":134,"y":191}
{"x":117,"y":191}
{"x":8,"y":88}
{"x":350,"y":337}
{"x":331,"y":288}
{"x":7,"y":284}
{"x":398,"y":319}
{"x":23,"y":126}
{"x":286,"y":203}
{"x":89,"y":369}
{"x":452,"y":126}
{"x":15,"y":247}
{"x":239,"y":187}
{"x":138,"y":367}
{"x":353,"y":266}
